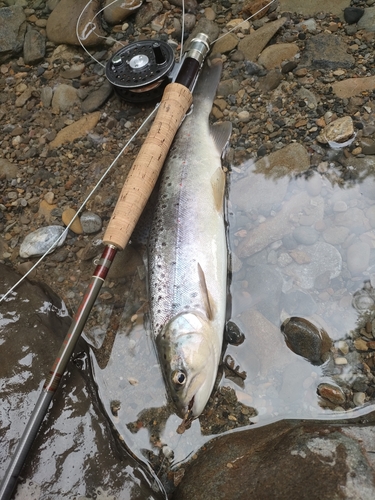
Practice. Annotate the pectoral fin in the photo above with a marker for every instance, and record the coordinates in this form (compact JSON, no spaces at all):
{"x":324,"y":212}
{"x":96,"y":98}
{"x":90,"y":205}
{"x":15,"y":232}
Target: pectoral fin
{"x":220,"y":133}
{"x":205,"y":294}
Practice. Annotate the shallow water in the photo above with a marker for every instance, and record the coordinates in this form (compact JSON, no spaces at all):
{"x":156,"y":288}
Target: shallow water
{"x":296,"y":273}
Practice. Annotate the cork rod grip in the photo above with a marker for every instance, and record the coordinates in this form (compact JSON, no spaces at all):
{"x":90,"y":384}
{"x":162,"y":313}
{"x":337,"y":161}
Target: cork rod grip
{"x":146,"y":168}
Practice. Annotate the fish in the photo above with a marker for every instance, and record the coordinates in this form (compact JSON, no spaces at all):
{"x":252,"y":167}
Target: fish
{"x":187,"y":256}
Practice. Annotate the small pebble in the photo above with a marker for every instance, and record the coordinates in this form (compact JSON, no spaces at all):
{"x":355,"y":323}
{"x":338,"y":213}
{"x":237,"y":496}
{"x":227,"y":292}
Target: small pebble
{"x":67,"y":217}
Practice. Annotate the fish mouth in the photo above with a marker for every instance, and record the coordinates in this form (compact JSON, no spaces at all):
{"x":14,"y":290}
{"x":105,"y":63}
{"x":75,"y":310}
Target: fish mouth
{"x":188,"y":418}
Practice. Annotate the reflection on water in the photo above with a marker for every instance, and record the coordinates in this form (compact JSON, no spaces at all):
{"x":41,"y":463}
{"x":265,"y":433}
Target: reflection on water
{"x":302,"y":276}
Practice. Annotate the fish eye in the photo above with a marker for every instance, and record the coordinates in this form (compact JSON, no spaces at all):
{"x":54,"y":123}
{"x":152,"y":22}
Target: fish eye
{"x":179,"y":378}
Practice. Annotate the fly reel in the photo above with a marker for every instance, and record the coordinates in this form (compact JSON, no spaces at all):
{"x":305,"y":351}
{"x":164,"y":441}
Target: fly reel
{"x":140,"y":71}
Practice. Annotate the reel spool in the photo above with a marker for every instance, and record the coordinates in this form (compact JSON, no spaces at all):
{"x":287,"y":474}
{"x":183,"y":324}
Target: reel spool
{"x":139,"y":72}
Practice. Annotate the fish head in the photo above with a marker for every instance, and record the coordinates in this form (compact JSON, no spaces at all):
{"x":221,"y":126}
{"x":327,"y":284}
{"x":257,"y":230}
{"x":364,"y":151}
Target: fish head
{"x":189,"y":357}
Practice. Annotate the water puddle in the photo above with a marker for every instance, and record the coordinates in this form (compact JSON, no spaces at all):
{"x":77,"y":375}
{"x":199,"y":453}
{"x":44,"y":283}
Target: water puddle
{"x":301,"y":286}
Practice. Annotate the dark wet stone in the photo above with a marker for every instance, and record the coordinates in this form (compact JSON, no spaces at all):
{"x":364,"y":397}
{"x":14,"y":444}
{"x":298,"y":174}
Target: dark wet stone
{"x":327,"y":51}
{"x":12,"y":31}
{"x":305,"y":235}
{"x":233,"y":334}
{"x":252,"y":68}
{"x":298,"y":303}
{"x":262,"y":463}
{"x":306,"y":340}
{"x":353,"y":14}
{"x":271,"y":81}
{"x":289,"y":66}
{"x":34,"y":323}
{"x":331,"y":392}
{"x":34,"y":47}
{"x":97,"y":98}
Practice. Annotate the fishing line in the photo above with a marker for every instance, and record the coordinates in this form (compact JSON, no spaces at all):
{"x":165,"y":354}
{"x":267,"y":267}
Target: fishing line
{"x":91,"y":27}
{"x":3,"y":297}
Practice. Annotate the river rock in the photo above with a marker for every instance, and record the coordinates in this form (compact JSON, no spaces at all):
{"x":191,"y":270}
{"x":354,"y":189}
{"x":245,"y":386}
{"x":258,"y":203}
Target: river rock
{"x":329,"y":460}
{"x":67,"y":217}
{"x":225,"y":44}
{"x":367,"y":145}
{"x":358,"y":257}
{"x":39,"y":241}
{"x":353,"y":86}
{"x":274,"y":228}
{"x":353,"y":14}
{"x":77,"y":129}
{"x":252,"y":45}
{"x":34,"y":47}
{"x":298,"y":303}
{"x":324,"y":258}
{"x":12,"y":31}
{"x":351,"y":218}
{"x":338,"y":131}
{"x":265,"y":285}
{"x":64,"y":98}
{"x":272,"y":56}
{"x":367,"y":21}
{"x":97,"y":98}
{"x":326,"y":51}
{"x":307,"y":340}
{"x":61,"y":24}
{"x":305,"y":235}
{"x":270,"y":81}
{"x":33,"y":326}
{"x":91,"y":223}
{"x":290,"y":160}
{"x":8,"y":169}
{"x":116,"y":11}
{"x":147,"y":12}
{"x":335,"y":235}
{"x":333,"y":393}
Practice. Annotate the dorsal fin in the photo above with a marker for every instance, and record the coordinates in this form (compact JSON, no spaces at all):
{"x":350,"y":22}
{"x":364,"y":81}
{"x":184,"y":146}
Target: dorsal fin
{"x":220,"y":133}
{"x":205,"y":295}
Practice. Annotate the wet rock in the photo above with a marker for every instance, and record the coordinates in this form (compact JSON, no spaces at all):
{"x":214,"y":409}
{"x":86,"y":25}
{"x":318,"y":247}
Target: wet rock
{"x":204,"y":25}
{"x":331,"y":392}
{"x":367,"y":145}
{"x":91,"y":223}
{"x":367,"y":21}
{"x":252,"y":45}
{"x":12,"y":31}
{"x":97,"y":98}
{"x":326,"y":51}
{"x":324,"y":258}
{"x":353,"y":86}
{"x":46,"y":95}
{"x":67,"y":217}
{"x":353,"y":14}
{"x":61,"y":24}
{"x":225,"y":44}
{"x":265,"y":284}
{"x":265,"y":337}
{"x":125,"y":264}
{"x":274,"y":228}
{"x":34,"y":47}
{"x":273,"y":56}
{"x":227,"y":87}
{"x":64,"y":98}
{"x":305,"y":235}
{"x":7,"y":169}
{"x":335,"y":235}
{"x":310,"y":98}
{"x":147,"y":12}
{"x":370,"y":214}
{"x":298,"y":303}
{"x":39,"y":241}
{"x":33,"y":327}
{"x":305,"y":339}
{"x":358,"y":257}
{"x":116,"y":11}
{"x":271,"y":81}
{"x":329,"y":460}
{"x":351,"y":218}
{"x":77,"y":129}
{"x":338,"y":131}
{"x":291,"y":159}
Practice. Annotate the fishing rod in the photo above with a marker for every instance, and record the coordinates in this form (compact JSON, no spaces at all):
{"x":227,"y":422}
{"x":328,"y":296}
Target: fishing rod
{"x":176,"y":101}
